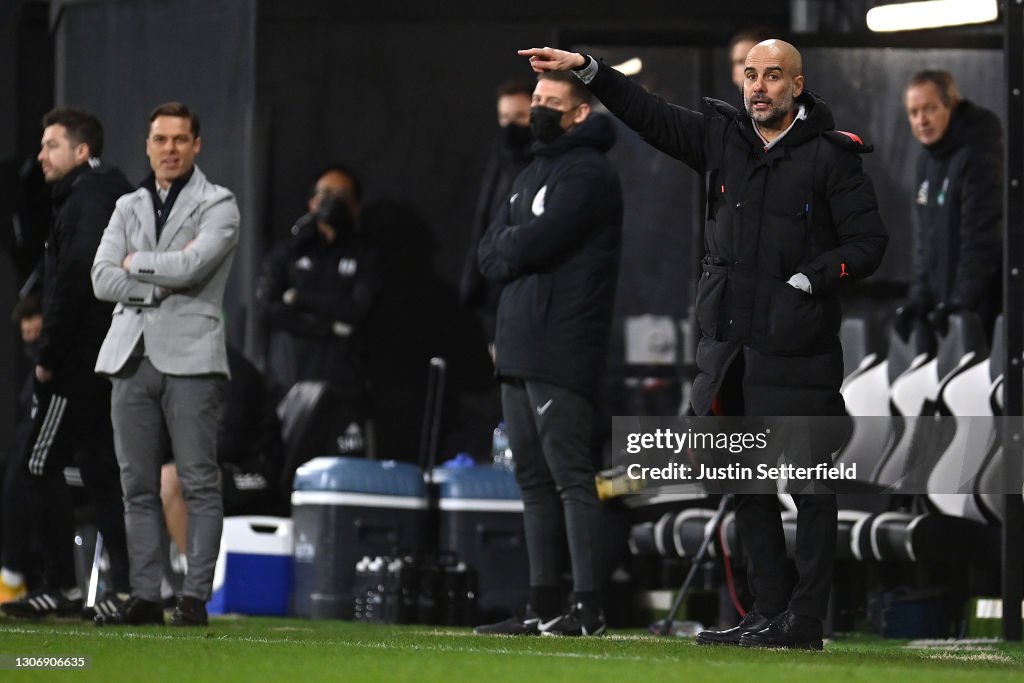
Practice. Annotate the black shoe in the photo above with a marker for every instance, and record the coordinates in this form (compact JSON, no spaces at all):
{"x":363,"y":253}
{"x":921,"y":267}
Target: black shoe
{"x":43,"y":603}
{"x":580,"y":620}
{"x":190,"y":612}
{"x":525,"y":624}
{"x":751,"y":623}
{"x":108,"y":604}
{"x":789,"y":631}
{"x":133,"y":612}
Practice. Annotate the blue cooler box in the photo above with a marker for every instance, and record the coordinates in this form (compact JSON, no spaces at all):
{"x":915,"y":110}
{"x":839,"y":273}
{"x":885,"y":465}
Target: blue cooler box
{"x":254,"y":568}
{"x":482,"y":522}
{"x":343,"y":509}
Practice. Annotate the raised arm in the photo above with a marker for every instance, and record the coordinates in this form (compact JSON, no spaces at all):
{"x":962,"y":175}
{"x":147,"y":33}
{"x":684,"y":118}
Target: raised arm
{"x":676,"y":131}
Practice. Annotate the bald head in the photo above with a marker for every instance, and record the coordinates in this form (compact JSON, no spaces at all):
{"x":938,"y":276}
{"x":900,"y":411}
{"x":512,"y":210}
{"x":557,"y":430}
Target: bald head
{"x":780,"y":52}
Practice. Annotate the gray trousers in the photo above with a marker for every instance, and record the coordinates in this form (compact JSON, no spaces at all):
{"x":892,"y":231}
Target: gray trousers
{"x":549,"y":432}
{"x":150,"y":410}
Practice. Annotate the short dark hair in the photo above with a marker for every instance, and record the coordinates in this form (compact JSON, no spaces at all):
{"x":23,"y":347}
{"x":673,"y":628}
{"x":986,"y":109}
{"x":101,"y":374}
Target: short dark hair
{"x":756,"y":34}
{"x":943,"y":82}
{"x":82,"y":127}
{"x":357,"y":187}
{"x":26,"y":307}
{"x":178,"y":110}
{"x":516,"y":86}
{"x":577,"y":91}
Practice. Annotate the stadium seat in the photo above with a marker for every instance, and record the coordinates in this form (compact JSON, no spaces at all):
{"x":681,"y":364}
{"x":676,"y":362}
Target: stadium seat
{"x":926,"y":534}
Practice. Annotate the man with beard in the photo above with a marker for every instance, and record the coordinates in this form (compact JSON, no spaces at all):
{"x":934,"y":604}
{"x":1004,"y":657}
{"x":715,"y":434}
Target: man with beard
{"x":509,"y":156}
{"x":71,"y":405}
{"x":791,"y":221}
{"x":959,"y":232}
{"x":555,"y":246}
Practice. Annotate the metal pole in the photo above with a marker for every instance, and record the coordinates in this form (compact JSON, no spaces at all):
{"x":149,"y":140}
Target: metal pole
{"x":712,"y":529}
{"x":1013,"y":310}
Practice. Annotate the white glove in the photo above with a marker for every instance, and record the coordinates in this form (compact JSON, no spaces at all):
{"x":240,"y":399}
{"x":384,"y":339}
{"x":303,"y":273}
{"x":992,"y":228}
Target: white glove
{"x":800,"y":281}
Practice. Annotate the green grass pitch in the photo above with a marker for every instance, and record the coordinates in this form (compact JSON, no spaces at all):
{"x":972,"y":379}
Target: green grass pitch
{"x":298,"y":651}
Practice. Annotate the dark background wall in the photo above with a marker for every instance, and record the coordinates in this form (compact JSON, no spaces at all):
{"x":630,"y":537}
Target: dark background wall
{"x":403,"y":93}
{"x":26,"y":93}
{"x":121,"y":59}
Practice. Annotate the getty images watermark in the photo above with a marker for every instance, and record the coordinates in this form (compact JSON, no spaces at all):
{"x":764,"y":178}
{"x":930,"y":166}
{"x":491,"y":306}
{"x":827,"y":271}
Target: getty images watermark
{"x":898,"y":455}
{"x":723,"y":440}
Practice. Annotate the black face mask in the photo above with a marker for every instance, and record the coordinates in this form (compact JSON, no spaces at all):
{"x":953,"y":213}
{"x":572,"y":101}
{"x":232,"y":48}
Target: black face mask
{"x":335,"y":212}
{"x":515,"y":137}
{"x":546,"y":124}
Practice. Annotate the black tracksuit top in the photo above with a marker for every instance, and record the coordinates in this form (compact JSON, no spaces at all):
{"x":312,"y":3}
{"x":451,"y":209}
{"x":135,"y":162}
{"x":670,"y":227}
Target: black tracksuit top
{"x":959,"y":200}
{"x":75,"y":322}
{"x":555,"y":244}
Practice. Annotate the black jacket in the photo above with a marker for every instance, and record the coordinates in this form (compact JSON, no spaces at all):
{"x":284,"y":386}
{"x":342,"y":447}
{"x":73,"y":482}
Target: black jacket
{"x":804,"y":206}
{"x":555,"y":245}
{"x":74,"y":321}
{"x":334,"y":282}
{"x":959,"y":235}
{"x":503,"y":165}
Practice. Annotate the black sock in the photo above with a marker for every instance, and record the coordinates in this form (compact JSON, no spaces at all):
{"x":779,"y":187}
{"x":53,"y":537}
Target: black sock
{"x":546,"y":601}
{"x":591,"y":599}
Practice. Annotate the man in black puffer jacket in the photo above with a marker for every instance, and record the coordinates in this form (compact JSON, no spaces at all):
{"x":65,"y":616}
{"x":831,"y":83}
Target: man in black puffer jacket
{"x":555,"y":246}
{"x":72,"y":404}
{"x":959,"y":232}
{"x":791,"y":219}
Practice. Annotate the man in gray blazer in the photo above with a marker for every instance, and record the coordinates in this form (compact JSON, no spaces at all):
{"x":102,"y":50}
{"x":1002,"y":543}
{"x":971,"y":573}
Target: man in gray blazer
{"x":164,"y":260}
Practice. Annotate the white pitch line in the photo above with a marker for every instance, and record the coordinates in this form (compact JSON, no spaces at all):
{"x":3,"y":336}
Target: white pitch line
{"x":360,"y":644}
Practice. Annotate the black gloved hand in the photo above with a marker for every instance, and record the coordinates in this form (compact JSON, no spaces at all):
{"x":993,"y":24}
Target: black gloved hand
{"x":939,"y":317}
{"x":906,"y":316}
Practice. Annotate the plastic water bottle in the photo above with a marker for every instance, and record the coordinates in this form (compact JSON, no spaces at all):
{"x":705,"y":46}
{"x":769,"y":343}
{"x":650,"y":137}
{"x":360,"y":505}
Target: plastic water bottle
{"x":500,"y":451}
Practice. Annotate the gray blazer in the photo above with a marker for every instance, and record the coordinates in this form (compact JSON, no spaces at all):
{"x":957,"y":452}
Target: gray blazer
{"x":171,"y":297}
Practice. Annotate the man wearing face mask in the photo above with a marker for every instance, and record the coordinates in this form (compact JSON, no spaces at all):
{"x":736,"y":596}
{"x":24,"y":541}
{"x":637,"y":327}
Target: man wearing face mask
{"x":509,"y":155}
{"x":555,"y":246}
{"x":316,"y":289}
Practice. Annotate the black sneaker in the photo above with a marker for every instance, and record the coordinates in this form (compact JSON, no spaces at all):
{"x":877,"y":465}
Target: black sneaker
{"x":133,"y":612}
{"x":108,"y":604}
{"x":190,"y":612}
{"x":580,"y":620}
{"x":525,"y":624}
{"x":43,"y":603}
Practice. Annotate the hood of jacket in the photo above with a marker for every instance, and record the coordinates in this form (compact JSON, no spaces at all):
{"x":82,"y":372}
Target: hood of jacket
{"x":597,"y":131}
{"x":968,"y":123}
{"x":818,"y":119}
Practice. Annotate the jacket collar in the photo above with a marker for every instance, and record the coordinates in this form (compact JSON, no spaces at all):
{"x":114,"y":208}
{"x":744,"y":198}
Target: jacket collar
{"x":62,"y":188}
{"x":818,"y":120}
{"x":188,"y":198}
